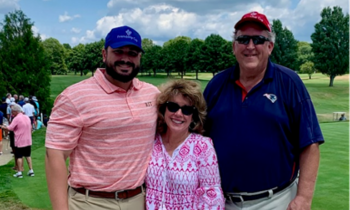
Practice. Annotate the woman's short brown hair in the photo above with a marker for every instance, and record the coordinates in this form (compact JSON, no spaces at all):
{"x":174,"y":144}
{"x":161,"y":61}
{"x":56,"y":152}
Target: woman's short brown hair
{"x":190,"y":90}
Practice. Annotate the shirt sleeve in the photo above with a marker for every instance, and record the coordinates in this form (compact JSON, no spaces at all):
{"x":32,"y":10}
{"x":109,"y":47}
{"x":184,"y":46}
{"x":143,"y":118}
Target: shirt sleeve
{"x":65,"y":125}
{"x":13,"y":124}
{"x":209,"y":194}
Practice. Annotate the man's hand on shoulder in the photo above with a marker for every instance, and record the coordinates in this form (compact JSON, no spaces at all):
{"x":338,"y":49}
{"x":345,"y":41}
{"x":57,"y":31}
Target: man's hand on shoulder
{"x":299,"y":203}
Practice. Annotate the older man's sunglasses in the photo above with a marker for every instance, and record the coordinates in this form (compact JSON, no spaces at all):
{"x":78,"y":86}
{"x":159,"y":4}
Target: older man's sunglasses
{"x":174,"y":107}
{"x":245,"y":39}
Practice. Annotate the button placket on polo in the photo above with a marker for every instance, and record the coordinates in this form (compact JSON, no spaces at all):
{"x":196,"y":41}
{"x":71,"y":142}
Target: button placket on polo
{"x":129,"y":102}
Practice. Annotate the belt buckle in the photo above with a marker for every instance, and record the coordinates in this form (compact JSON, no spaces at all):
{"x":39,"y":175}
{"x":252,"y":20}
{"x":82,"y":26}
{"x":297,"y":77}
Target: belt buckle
{"x":230,"y":195}
{"x":116,"y":195}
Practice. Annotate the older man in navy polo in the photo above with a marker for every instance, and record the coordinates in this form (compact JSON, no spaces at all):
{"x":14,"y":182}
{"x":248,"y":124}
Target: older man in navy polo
{"x":264,"y":126}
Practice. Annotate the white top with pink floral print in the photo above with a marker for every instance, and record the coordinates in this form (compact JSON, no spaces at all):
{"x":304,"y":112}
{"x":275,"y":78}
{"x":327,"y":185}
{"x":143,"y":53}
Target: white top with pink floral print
{"x":189,"y":179}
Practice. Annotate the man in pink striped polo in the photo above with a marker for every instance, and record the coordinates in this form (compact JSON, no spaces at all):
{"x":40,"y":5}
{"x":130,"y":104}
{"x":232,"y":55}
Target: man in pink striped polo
{"x":106,"y":126}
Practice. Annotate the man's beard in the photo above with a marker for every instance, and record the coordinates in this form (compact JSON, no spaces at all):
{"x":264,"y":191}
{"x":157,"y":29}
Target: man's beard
{"x":111,"y":71}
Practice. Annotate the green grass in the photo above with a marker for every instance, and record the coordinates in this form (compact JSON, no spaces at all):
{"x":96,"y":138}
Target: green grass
{"x":29,"y":191}
{"x":332,"y":189}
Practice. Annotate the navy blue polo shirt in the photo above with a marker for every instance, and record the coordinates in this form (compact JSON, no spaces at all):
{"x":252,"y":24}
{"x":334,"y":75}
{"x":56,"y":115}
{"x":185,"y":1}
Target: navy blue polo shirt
{"x":258,"y":140}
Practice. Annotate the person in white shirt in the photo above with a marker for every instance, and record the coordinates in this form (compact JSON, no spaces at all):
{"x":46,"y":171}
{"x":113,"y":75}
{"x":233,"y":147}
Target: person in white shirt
{"x":8,"y":98}
{"x":28,"y":110}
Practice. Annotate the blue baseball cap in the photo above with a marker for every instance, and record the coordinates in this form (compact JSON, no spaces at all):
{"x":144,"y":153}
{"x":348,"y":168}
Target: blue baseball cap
{"x":122,"y":36}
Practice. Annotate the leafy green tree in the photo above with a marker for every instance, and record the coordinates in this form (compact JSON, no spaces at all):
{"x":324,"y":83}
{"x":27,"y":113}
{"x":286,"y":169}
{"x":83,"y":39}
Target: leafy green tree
{"x":215,"y":53}
{"x":228,"y":57}
{"x":151,"y":59}
{"x":76,"y":60}
{"x":67,"y":46}
{"x":307,"y":68}
{"x":24,"y":68}
{"x":285,"y":47}
{"x":304,"y":53}
{"x":193,"y":55}
{"x":175,"y":50}
{"x":331,"y":43}
{"x":147,"y":43}
{"x":56,"y":54}
{"x":93,"y":56}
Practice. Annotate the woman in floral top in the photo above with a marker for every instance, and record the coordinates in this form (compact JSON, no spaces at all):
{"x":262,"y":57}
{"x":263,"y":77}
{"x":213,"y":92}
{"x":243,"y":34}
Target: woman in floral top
{"x":183,"y":171}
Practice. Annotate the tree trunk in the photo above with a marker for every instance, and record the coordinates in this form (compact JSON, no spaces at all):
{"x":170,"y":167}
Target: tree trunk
{"x":331,"y":80}
{"x":309,"y":76}
{"x":154,"y":72}
{"x":196,"y":74}
{"x":182,"y":74}
{"x":81,"y":73}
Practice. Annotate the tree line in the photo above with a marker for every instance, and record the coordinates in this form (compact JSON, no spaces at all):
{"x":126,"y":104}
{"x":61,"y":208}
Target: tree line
{"x":27,"y":62}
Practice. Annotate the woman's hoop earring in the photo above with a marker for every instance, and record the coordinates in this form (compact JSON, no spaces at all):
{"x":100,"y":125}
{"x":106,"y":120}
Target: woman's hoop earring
{"x":192,"y":125}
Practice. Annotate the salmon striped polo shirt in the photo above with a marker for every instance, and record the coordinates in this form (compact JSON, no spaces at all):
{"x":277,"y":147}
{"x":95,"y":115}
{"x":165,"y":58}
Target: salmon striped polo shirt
{"x":109,"y":130}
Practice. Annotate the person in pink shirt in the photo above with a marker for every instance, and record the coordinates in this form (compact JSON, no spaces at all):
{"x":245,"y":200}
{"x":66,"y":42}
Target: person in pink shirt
{"x":106,"y":126}
{"x":183,"y":172}
{"x":22,"y":128}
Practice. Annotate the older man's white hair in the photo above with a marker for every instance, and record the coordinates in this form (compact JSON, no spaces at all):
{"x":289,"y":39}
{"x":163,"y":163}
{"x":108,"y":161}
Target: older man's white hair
{"x":16,"y":108}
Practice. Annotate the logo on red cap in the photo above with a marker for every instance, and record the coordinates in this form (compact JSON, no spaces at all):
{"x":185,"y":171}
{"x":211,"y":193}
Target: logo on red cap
{"x":254,"y":17}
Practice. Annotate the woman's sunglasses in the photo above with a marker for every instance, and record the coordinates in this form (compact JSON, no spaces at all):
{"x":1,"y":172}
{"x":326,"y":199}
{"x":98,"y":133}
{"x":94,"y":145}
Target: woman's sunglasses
{"x":245,"y":39}
{"x":174,"y":107}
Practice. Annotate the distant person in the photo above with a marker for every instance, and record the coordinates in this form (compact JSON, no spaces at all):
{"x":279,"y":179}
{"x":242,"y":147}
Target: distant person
{"x":3,"y":106}
{"x":15,"y":96}
{"x":3,"y":109}
{"x":29,"y":110}
{"x":342,"y":117}
{"x":21,"y":127}
{"x":36,"y":105}
{"x":106,"y":126}
{"x":8,"y":98}
{"x":32,"y":102}
{"x":38,"y":123}
{"x":45,"y":120}
{"x":21,"y":100}
{"x":263,"y":125}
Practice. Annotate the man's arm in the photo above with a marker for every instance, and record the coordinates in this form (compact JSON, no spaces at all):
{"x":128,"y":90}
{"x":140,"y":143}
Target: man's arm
{"x":56,"y":176}
{"x":309,"y":162}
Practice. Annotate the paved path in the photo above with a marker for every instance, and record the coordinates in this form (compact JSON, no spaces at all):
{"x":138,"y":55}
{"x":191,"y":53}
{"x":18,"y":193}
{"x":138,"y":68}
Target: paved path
{"x":6,"y":152}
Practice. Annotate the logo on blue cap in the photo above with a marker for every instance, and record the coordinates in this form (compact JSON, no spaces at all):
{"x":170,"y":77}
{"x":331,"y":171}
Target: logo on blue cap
{"x":122,"y":36}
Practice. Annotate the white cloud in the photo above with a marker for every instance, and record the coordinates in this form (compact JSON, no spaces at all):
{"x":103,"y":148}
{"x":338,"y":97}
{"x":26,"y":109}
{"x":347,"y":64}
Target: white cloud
{"x":75,"y":40}
{"x":66,"y":17}
{"x":36,"y":32}
{"x":8,"y":6}
{"x":75,"y":30}
{"x":161,"y":22}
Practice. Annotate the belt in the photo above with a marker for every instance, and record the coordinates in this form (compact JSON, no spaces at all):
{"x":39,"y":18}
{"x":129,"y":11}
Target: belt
{"x":118,"y":195}
{"x":245,"y":196}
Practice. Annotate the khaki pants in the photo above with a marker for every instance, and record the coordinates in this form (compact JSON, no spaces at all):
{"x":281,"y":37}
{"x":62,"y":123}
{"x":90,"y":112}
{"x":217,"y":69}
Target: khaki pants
{"x":78,"y":201}
{"x":279,"y":201}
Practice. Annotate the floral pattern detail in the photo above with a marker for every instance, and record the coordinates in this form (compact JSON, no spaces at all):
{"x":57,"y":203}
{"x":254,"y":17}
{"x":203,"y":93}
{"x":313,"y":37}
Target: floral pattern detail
{"x":189,"y":179}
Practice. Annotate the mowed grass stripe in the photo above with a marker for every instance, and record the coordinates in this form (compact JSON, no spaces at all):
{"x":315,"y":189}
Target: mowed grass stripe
{"x":332,"y":188}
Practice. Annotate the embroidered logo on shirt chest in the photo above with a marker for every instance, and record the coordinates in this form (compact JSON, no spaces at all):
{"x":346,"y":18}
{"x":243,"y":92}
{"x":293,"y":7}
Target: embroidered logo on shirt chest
{"x":271,"y":97}
{"x":148,"y":104}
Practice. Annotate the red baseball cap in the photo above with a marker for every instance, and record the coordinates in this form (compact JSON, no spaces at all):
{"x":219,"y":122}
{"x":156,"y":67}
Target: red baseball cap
{"x":254,"y":17}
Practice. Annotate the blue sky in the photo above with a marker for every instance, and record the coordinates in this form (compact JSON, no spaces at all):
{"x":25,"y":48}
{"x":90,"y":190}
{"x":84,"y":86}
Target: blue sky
{"x":85,"y":21}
